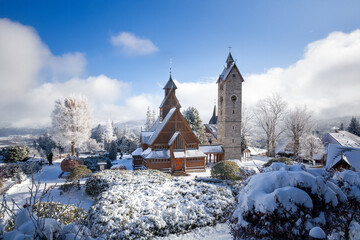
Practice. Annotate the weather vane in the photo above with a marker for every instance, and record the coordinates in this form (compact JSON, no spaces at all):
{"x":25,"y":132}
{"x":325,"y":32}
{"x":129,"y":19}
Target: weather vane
{"x":229,"y":48}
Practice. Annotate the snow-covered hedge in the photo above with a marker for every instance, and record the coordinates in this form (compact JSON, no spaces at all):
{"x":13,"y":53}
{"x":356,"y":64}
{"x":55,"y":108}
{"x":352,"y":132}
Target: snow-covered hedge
{"x":15,"y":153}
{"x":12,"y":171}
{"x":142,"y":204}
{"x":287,"y":201}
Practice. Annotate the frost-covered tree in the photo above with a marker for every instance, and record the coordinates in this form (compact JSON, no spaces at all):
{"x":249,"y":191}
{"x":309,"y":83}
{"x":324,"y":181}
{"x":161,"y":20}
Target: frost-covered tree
{"x":310,"y":145}
{"x":98,"y":134}
{"x":113,"y":150}
{"x":354,"y":126}
{"x":297,"y":124}
{"x":269,"y":115}
{"x":109,"y":133}
{"x":71,"y":121}
{"x":192,"y":117}
{"x":150,"y":118}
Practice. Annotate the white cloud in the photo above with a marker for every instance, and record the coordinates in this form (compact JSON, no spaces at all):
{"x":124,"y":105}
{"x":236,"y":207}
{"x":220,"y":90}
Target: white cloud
{"x":133,"y":45}
{"x":326,"y":79}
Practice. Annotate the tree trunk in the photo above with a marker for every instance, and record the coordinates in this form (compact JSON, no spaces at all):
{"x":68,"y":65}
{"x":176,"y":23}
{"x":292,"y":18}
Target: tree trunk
{"x":72,"y":148}
{"x":267,"y":147}
{"x":296,"y":148}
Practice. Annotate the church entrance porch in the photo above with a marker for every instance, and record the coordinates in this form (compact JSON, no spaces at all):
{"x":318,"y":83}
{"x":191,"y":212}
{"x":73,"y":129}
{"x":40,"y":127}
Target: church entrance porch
{"x":178,"y":164}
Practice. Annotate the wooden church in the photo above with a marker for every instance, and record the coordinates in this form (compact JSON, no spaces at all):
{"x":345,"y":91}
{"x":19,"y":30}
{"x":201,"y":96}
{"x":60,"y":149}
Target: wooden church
{"x":170,"y":145}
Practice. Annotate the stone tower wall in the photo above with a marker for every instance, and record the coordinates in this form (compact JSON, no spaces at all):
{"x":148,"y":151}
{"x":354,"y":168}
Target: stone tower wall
{"x":229,"y":115}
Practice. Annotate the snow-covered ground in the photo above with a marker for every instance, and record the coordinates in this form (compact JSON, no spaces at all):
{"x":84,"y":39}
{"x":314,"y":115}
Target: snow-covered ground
{"x":49,"y":176}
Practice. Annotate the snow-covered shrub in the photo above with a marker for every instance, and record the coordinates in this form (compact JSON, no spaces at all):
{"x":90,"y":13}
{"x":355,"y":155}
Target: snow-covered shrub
{"x":286,"y":202}
{"x":29,"y":226}
{"x":63,"y":213}
{"x":143,"y":204}
{"x":12,"y":171}
{"x":349,"y":181}
{"x":69,"y":163}
{"x":91,"y":162}
{"x":226,"y":170}
{"x":15,"y":153}
{"x":29,"y":167}
{"x":285,"y":160}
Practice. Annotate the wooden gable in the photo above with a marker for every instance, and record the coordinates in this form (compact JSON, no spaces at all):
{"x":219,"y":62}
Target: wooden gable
{"x":176,"y":123}
{"x":168,"y":103}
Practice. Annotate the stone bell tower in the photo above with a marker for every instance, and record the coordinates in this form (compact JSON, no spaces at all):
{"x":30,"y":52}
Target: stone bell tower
{"x":229,"y":109}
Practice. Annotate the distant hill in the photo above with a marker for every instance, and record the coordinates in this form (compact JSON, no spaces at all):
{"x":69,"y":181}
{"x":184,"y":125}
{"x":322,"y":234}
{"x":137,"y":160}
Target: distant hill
{"x":5,"y":132}
{"x":327,"y":125}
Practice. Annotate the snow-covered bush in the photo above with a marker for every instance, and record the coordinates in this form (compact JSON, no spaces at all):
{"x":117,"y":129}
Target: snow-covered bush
{"x":12,"y":171}
{"x":69,"y":163}
{"x":15,"y":153}
{"x":29,"y":167}
{"x":91,"y":162}
{"x":143,"y":204}
{"x":63,"y":213}
{"x":29,"y":226}
{"x":349,"y":181}
{"x":286,"y":202}
{"x":285,"y":160}
{"x":227,"y":170}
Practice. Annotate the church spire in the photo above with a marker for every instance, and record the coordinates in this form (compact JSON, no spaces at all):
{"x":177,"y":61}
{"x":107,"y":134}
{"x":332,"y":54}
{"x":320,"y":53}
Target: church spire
{"x":214,"y":117}
{"x":229,"y":60}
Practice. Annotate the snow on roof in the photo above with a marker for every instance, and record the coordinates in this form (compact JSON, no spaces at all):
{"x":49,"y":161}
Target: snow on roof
{"x":161,"y":126}
{"x":334,"y":156}
{"x":145,"y":136}
{"x":172,"y":139}
{"x":212,"y":128}
{"x":137,"y":152}
{"x":256,"y":151}
{"x":226,"y":72}
{"x":346,"y":139}
{"x":158,"y":154}
{"x":211,"y":148}
{"x":146,"y":152}
{"x":189,"y":154}
{"x":155,"y":125}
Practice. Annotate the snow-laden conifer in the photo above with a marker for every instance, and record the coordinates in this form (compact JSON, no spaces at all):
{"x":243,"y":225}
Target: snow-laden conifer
{"x":192,"y":117}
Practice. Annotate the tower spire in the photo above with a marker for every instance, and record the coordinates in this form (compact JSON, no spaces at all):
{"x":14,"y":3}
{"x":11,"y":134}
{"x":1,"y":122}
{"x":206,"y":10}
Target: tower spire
{"x":229,"y":60}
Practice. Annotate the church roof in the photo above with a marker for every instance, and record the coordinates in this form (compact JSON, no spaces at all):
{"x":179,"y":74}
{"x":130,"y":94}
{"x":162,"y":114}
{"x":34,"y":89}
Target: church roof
{"x":214,"y":118}
{"x":172,"y":139}
{"x":166,"y":98}
{"x":161,"y":126}
{"x":226,"y":72}
{"x":212,"y":128}
{"x":170,"y":84}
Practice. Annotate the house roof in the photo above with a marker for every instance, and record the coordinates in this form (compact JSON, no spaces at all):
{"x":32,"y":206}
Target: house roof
{"x":334,"y":156}
{"x":346,"y":139}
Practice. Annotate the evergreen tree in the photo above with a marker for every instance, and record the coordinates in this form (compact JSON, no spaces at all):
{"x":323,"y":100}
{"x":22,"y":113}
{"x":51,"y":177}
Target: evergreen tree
{"x":243,"y":143}
{"x":98,"y":134}
{"x":113,"y":150}
{"x":354,"y":126}
{"x":109,"y":134}
{"x":341,"y":127}
{"x":148,"y":122}
{"x":192,"y":117}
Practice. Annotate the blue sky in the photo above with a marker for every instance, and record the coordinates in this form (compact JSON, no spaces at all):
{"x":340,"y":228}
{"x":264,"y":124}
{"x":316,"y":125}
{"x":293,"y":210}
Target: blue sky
{"x":195,"y":34}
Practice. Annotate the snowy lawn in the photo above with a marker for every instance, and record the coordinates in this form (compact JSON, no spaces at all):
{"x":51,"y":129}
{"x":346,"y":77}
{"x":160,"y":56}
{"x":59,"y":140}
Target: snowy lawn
{"x":143,"y":204}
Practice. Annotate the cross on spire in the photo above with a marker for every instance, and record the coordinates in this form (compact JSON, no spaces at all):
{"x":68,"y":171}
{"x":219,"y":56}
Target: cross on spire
{"x":229,"y":49}
{"x":170,"y":65}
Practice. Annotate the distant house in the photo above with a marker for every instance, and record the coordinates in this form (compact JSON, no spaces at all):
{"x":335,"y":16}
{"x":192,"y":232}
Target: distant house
{"x":339,"y":157}
{"x":343,"y":138}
